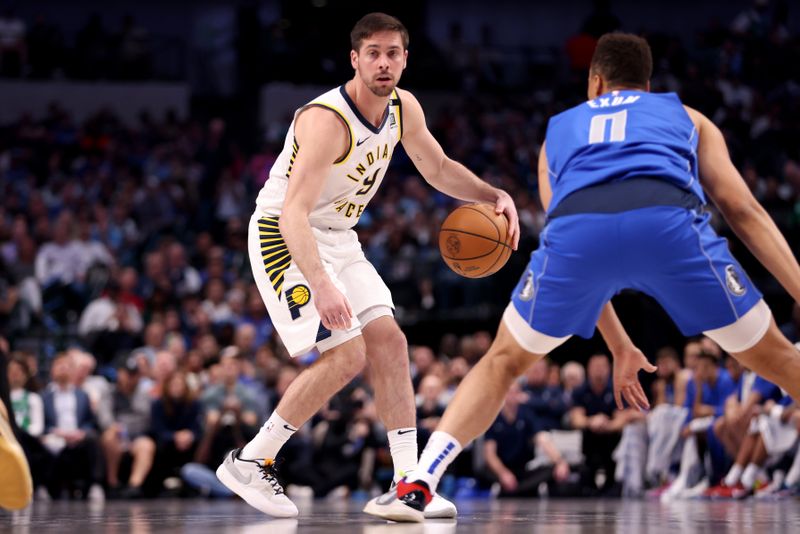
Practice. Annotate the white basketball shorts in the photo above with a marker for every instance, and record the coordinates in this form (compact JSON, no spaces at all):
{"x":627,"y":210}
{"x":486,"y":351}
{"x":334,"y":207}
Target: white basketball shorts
{"x":287,"y":294}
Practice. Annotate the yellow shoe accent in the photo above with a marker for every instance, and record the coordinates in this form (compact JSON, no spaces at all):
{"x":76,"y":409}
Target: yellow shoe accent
{"x":16,"y":488}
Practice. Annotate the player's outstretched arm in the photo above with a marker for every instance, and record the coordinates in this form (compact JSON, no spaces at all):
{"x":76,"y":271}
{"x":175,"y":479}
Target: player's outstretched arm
{"x":322,"y":138}
{"x":628,"y":359}
{"x":748,"y":219}
{"x":445,"y":174}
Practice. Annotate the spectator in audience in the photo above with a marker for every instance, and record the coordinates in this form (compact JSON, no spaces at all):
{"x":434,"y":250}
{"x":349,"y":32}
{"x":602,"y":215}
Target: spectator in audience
{"x":773,"y":435}
{"x":230,"y":395}
{"x":154,"y":340}
{"x":256,"y":315}
{"x":245,"y":341}
{"x":27,"y":405}
{"x":573,"y":376}
{"x":231,"y":420}
{"x":706,"y":395}
{"x":457,"y":369}
{"x":109,"y":325}
{"x":215,"y":304}
{"x":344,"y":444}
{"x":127,"y":435}
{"x":70,"y":435}
{"x":422,"y":358}
{"x":594,"y":412}
{"x":175,"y":425}
{"x":669,"y":386}
{"x":29,"y":415}
{"x":715,"y":384}
{"x":184,"y":278}
{"x":779,"y":429}
{"x":691,"y":354}
{"x":554,"y":375}
{"x":509,"y":447}
{"x":429,"y":407}
{"x":736,"y":432}
{"x":547,"y":403}
{"x":155,"y":276}
{"x":58,"y":264}
{"x":665,"y":421}
{"x":96,"y":387}
{"x":92,"y":253}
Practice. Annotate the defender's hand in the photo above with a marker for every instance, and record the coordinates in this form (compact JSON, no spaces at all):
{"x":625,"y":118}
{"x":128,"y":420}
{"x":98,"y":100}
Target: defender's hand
{"x":505,"y":205}
{"x":627,"y":363}
{"x":333,"y":307}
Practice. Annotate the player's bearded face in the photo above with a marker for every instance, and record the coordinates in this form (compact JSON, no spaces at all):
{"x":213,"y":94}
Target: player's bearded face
{"x":380,"y":62}
{"x":382,"y":84}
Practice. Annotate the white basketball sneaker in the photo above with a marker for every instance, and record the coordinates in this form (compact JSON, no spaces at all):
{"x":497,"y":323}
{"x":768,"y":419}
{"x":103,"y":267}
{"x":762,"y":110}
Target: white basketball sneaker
{"x":384,"y":506}
{"x":440,"y":508}
{"x":255,"y":482}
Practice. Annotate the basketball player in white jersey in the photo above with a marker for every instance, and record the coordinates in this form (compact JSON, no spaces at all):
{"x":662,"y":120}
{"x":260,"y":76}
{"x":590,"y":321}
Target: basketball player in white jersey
{"x":318,"y":287}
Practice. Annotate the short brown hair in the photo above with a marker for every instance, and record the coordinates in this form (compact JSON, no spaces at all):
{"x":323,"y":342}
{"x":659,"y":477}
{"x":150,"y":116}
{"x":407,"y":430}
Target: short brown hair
{"x":373,"y":23}
{"x":623,"y":59}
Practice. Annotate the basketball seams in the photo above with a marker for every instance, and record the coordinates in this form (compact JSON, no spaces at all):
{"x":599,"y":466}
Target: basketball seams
{"x":472,"y":207}
{"x":473,"y":234}
{"x":490,"y":269}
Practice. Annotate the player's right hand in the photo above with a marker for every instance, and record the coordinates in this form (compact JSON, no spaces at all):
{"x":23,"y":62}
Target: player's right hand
{"x":333,"y":307}
{"x":505,"y":205}
{"x":627,"y":363}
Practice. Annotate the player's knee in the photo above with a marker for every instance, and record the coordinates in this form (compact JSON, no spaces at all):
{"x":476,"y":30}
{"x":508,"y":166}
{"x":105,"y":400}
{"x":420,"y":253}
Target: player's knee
{"x":391,"y":348}
{"x":399,"y":352}
{"x":512,"y":362}
{"x":390,"y":340}
{"x":395,"y":341}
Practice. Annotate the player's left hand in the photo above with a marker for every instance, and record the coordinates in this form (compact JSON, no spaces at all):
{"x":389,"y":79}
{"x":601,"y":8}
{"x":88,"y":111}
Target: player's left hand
{"x":505,"y":205}
{"x":627,"y":364}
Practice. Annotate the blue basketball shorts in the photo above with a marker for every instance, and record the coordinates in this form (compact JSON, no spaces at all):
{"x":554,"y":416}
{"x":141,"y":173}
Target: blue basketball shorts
{"x":669,"y":253}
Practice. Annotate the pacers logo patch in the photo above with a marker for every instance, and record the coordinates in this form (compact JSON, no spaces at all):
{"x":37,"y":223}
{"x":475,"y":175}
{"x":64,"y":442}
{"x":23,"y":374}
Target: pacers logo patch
{"x":297,"y":297}
{"x":734,"y":283}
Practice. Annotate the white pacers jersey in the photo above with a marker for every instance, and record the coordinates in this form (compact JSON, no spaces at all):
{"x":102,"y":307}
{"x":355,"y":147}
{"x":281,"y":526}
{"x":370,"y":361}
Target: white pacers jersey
{"x":354,"y":178}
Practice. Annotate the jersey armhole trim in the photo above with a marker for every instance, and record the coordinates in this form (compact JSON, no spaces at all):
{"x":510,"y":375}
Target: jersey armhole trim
{"x":341,"y":116}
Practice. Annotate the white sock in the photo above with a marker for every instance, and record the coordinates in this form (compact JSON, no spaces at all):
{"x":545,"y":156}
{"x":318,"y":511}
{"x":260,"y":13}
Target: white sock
{"x":778,"y":478}
{"x":750,"y":475}
{"x":403,"y":448}
{"x":269,"y":440}
{"x":689,"y":459}
{"x":439,"y":453}
{"x":733,"y":475}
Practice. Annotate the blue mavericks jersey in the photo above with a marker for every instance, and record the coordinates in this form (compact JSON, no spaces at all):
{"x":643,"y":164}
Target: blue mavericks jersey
{"x":621,"y":135}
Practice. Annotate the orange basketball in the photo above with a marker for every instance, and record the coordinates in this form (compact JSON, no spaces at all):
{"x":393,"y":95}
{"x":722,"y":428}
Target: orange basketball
{"x":474,"y":240}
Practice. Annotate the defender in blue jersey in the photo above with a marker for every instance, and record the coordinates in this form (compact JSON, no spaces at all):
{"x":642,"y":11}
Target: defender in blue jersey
{"x":622,"y":177}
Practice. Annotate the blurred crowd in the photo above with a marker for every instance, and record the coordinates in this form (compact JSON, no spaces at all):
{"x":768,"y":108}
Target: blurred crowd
{"x":38,"y":49}
{"x":142,"y":350}
{"x":162,"y":422}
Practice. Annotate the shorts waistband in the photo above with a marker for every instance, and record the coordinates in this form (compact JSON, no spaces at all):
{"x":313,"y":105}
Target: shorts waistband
{"x":626,"y":195}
